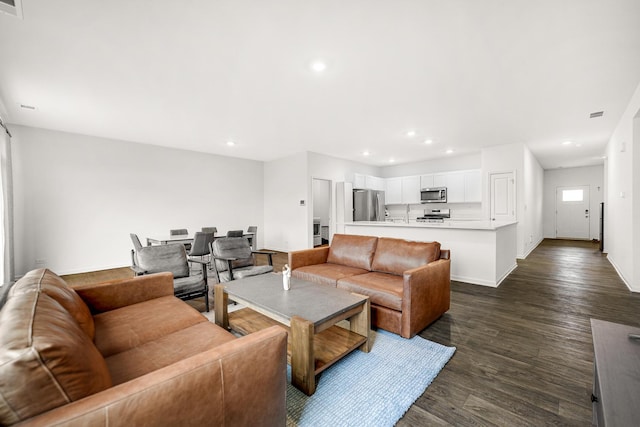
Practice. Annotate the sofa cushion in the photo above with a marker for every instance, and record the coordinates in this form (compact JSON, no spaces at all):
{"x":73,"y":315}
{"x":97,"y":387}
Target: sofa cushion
{"x":326,"y":274}
{"x":133,"y":325}
{"x":40,"y":341}
{"x":382,"y":289}
{"x":44,"y":280}
{"x":166,"y":350}
{"x":396,"y":256}
{"x":352,"y":251}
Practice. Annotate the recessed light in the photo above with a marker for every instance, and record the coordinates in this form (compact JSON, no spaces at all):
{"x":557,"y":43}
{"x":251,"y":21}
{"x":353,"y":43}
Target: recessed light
{"x":428,"y":141}
{"x":566,"y":143}
{"x":391,"y":160}
{"x":231,"y":143}
{"x":449,"y":151}
{"x":411,"y":133}
{"x":365,"y":153}
{"x":318,"y":66}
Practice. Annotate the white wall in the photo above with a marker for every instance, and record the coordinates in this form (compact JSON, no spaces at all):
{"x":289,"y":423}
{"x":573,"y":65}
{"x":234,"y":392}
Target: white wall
{"x":529,"y":182}
{"x":533,"y":203}
{"x":593,"y":176}
{"x":623,"y":194}
{"x":78,"y":197}
{"x":286,"y":183}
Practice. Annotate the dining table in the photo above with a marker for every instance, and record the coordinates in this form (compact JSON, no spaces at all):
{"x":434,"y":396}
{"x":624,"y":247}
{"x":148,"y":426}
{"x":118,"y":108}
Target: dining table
{"x":185,"y":238}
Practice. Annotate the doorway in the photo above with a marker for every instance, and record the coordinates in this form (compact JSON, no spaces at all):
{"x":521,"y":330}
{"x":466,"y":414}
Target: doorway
{"x":503,"y":196}
{"x":321,"y":199}
{"x":572,"y":212}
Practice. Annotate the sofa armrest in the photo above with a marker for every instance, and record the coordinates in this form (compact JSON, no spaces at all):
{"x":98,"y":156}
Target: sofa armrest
{"x":114,"y":294}
{"x":426,"y":295}
{"x":239,"y":383}
{"x":306,"y":257}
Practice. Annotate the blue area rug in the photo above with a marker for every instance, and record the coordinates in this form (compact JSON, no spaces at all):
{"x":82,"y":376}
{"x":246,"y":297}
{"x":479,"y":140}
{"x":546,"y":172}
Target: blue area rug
{"x":370,"y":389}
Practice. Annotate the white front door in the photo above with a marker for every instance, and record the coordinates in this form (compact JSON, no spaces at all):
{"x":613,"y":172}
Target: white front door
{"x":572,"y":212}
{"x":503,"y":196}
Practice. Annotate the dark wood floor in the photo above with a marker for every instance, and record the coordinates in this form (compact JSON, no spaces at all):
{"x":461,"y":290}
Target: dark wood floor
{"x":524,"y":352}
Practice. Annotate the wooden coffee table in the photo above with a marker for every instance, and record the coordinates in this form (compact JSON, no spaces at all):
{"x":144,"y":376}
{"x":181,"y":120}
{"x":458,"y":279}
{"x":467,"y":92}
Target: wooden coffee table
{"x":308,"y":311}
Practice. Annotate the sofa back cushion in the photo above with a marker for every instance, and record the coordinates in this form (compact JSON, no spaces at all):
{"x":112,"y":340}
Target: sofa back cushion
{"x":46,"y":358}
{"x":396,"y":256}
{"x":46,"y":281}
{"x":352,"y":251}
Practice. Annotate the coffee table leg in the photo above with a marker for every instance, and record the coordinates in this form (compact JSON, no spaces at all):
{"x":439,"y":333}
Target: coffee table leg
{"x":361,"y":324}
{"x":302,"y":356}
{"x":220,"y":302}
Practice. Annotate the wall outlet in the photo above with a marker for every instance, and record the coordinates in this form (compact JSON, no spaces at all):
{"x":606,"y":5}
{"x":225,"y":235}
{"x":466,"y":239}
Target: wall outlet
{"x":41,"y":262}
{"x":302,"y":203}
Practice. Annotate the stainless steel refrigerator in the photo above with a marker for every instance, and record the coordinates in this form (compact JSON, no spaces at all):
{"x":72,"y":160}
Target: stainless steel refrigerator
{"x":368,"y":205}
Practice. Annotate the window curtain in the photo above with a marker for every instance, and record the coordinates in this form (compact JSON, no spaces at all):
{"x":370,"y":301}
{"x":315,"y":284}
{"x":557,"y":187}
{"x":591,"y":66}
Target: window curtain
{"x":6,"y":208}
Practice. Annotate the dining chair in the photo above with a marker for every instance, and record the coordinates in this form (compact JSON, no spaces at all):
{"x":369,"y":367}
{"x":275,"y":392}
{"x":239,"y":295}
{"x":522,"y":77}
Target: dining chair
{"x":213,"y":230}
{"x":136,"y":247}
{"x":233,"y":259}
{"x":200,"y":246}
{"x":235,"y":233}
{"x":181,"y":232}
{"x":253,"y":239}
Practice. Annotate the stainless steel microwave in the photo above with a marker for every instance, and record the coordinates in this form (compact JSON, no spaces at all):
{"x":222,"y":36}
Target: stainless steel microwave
{"x":433,"y":195}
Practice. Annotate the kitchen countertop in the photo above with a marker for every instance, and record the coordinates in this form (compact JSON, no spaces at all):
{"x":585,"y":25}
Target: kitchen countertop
{"x":451,"y":224}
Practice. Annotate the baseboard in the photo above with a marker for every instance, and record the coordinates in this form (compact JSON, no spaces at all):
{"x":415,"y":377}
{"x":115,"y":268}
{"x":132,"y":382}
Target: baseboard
{"x":533,"y":247}
{"x":474,"y":281}
{"x":624,"y":280}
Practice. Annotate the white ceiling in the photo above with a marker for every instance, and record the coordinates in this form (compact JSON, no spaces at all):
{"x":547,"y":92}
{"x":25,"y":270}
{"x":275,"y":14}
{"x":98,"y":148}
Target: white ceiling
{"x":193,"y":74}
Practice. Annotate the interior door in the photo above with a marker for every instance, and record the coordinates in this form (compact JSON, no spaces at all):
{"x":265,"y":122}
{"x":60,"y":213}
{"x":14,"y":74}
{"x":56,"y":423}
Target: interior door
{"x":572,"y":212}
{"x":503,"y":196}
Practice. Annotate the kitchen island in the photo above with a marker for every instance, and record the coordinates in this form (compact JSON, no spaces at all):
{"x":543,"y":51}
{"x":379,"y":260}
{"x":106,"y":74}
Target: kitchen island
{"x":482,"y":252}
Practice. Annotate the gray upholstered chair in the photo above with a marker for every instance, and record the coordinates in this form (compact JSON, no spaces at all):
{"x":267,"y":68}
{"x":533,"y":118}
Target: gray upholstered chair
{"x":173,"y":258}
{"x":233,"y":259}
{"x":136,"y":246}
{"x":235,"y":233}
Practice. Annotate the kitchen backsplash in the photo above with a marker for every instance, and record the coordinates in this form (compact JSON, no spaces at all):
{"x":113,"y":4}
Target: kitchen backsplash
{"x":459,"y":211}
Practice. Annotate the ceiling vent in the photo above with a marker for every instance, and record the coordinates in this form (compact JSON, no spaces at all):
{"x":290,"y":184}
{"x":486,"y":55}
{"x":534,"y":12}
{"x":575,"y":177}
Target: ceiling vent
{"x":11,"y":7}
{"x":596,"y":114}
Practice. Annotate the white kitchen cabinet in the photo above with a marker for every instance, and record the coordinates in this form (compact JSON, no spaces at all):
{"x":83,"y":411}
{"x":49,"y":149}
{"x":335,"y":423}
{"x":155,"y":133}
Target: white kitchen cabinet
{"x":359,"y":181}
{"x":473,"y":186}
{"x":455,"y":187}
{"x":440,"y":180}
{"x":426,"y":181}
{"x":374,"y":183}
{"x":411,"y":189}
{"x":393,"y":191}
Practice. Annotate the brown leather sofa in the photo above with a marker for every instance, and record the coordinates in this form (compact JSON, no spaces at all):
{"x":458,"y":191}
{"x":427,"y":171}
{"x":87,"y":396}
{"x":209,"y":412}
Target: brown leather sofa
{"x":130,"y":353}
{"x":408,"y":283}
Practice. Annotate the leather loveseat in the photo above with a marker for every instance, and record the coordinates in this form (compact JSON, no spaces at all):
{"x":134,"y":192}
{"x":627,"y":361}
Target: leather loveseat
{"x":408,"y":282}
{"x":129,"y":352}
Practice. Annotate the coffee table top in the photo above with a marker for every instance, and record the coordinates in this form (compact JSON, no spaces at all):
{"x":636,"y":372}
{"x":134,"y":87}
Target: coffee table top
{"x":313,"y":302}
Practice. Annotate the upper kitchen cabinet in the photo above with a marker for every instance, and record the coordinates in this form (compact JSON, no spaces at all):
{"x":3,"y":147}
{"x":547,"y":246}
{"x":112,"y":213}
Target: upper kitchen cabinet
{"x":374,"y":183}
{"x":411,"y":189}
{"x":359,"y":181}
{"x":393,"y":191}
{"x":426,"y":181}
{"x":455,"y":187}
{"x":473,"y":186}
{"x":403,"y":190}
{"x":441,"y":179}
